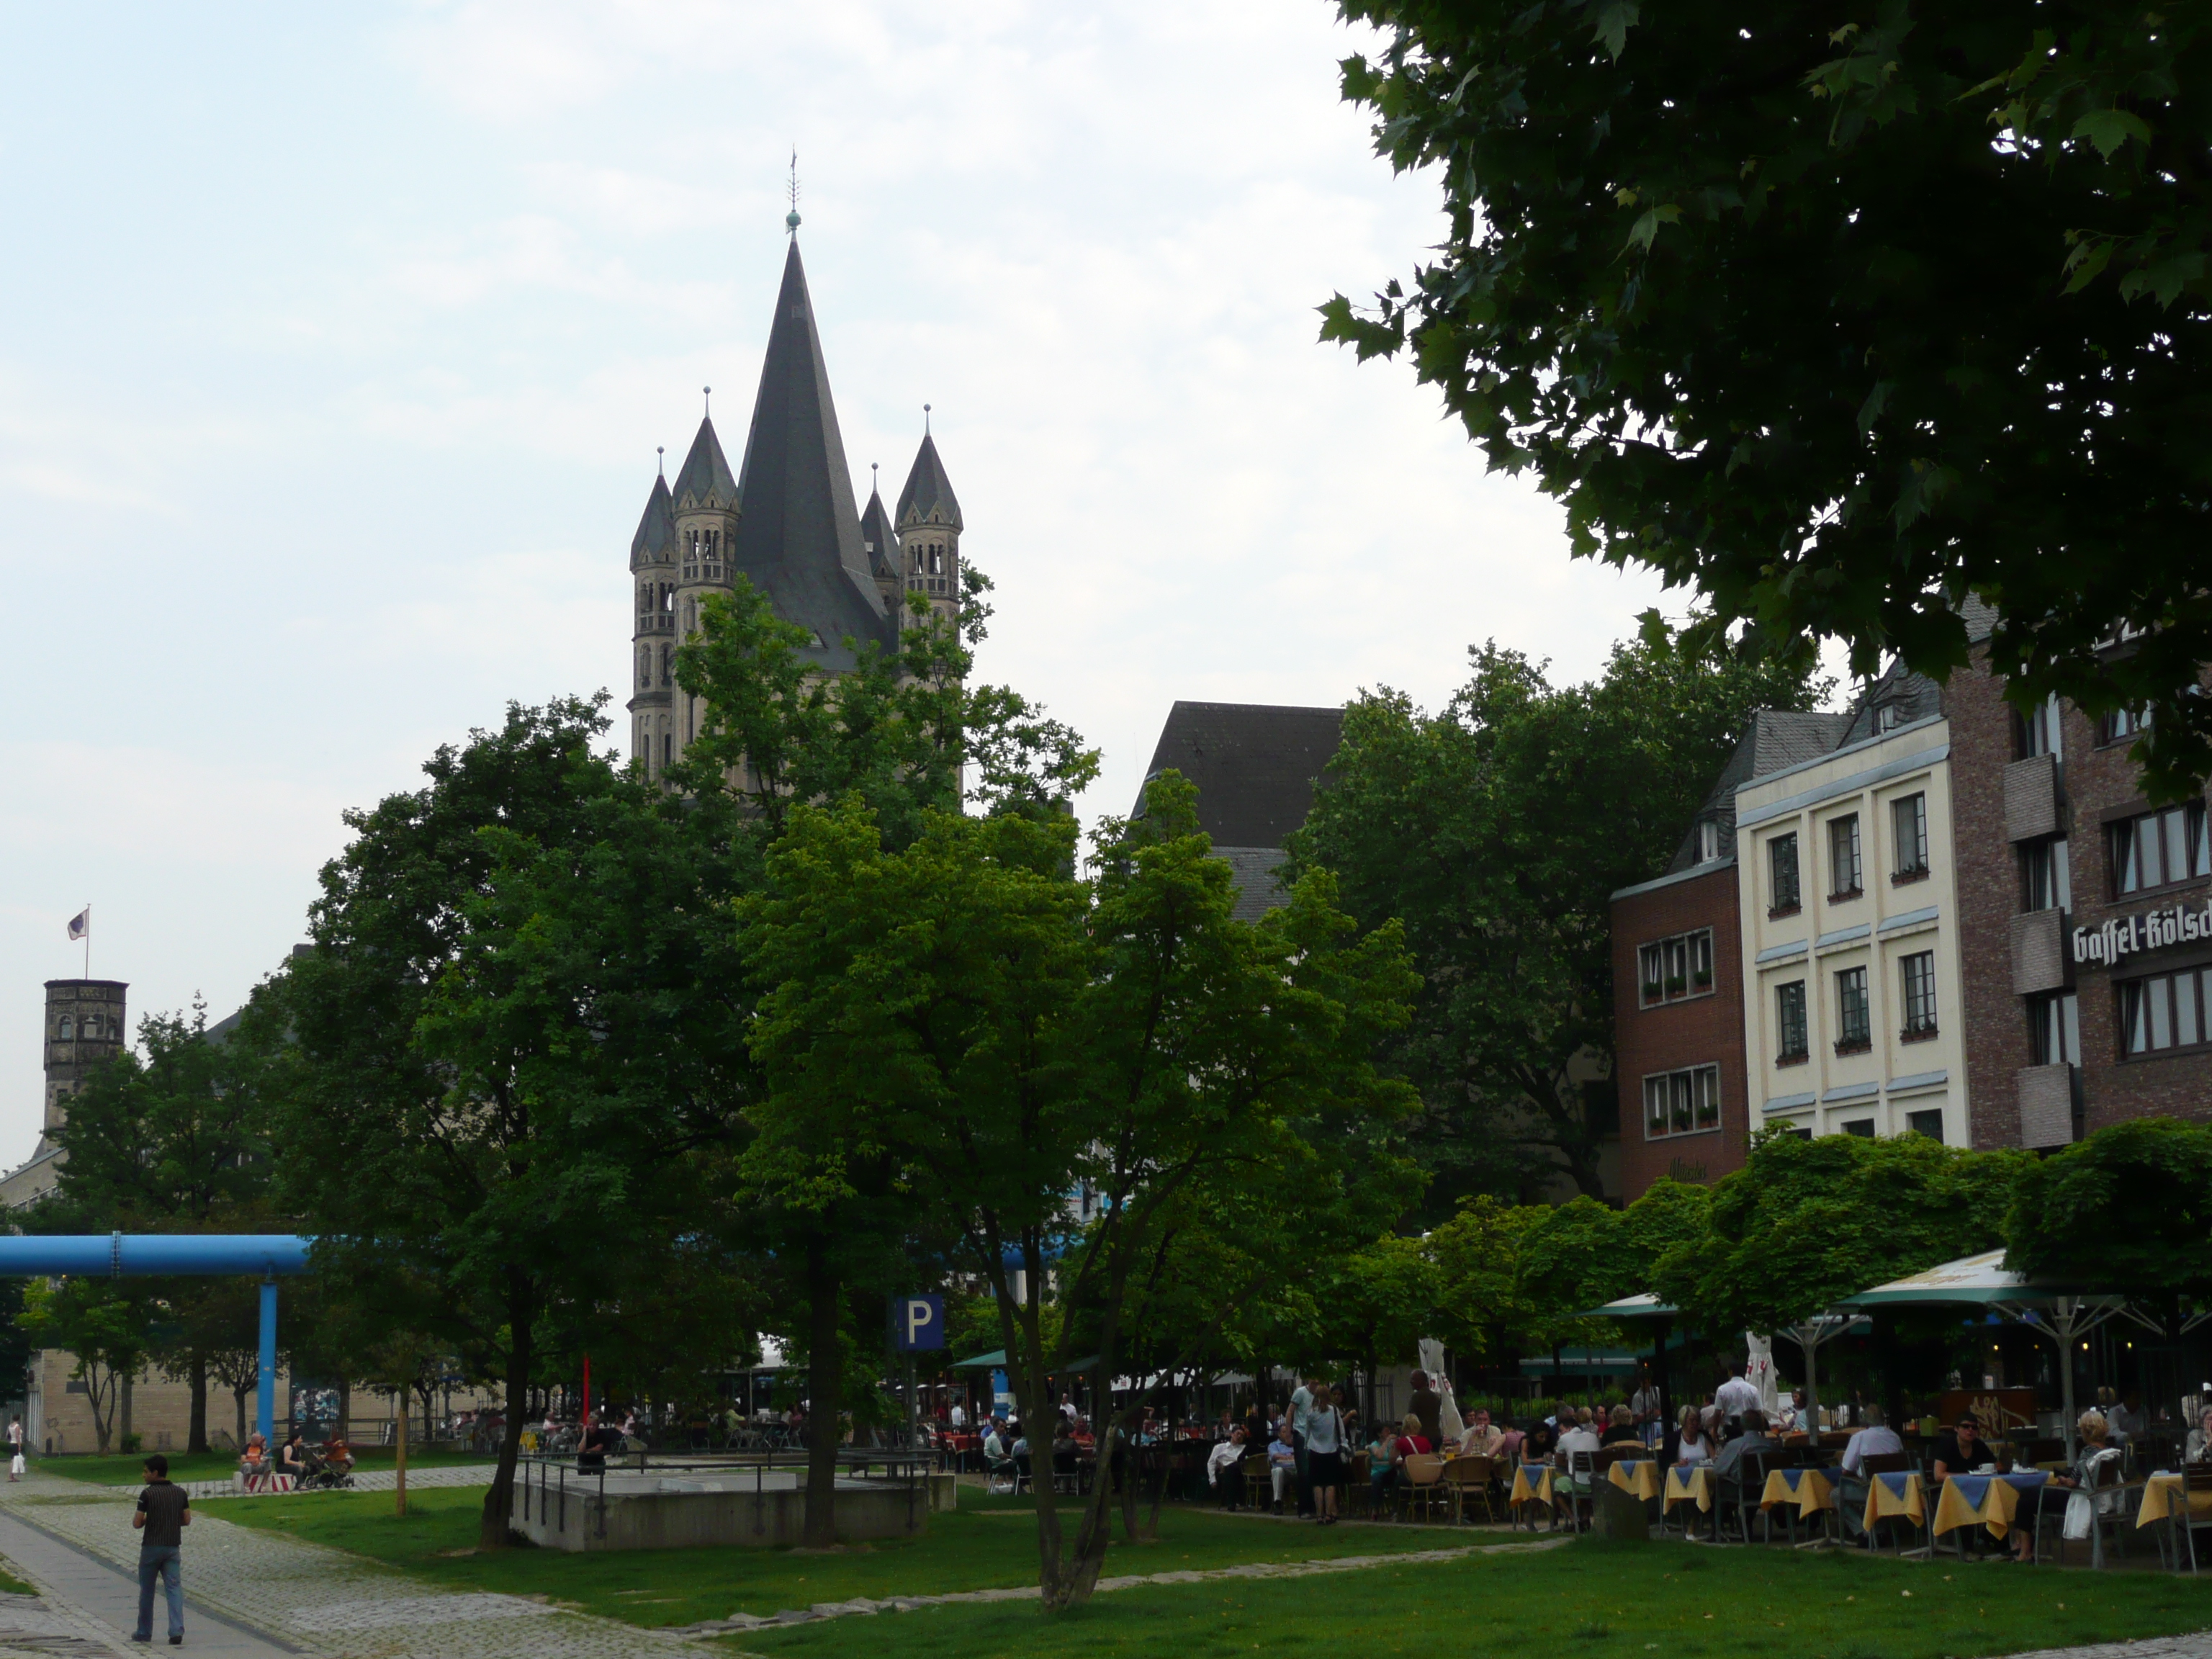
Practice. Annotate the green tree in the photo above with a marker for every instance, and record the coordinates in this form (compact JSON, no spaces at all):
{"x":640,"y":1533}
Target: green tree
{"x":481,"y":1103}
{"x":1498,"y":830}
{"x":2131,"y":1206}
{"x":1079,"y":1076}
{"x":104,"y":1323}
{"x":1756,"y":292}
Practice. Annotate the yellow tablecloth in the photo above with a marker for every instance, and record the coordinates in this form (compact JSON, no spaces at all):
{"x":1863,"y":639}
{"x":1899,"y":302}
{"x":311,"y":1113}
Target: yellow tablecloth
{"x":2159,"y":1493}
{"x":1807,"y":1489}
{"x":1691,"y":1485}
{"x":1640,"y":1479}
{"x":1524,"y":1492}
{"x":1905,"y":1499}
{"x":1999,"y":1500}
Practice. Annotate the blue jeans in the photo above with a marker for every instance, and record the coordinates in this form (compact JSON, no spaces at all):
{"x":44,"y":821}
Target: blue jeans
{"x":164,"y":1561}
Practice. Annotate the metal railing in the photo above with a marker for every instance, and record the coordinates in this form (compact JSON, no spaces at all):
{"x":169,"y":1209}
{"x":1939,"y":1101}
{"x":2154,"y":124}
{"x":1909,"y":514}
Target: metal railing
{"x":548,"y":1484}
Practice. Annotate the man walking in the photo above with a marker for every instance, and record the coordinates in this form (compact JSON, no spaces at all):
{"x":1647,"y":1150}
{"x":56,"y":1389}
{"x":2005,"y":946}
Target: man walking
{"x":164,"y":1512}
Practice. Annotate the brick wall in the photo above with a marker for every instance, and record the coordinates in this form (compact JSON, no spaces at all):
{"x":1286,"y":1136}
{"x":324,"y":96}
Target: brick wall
{"x":1698,"y":1030}
{"x":2099,"y":782}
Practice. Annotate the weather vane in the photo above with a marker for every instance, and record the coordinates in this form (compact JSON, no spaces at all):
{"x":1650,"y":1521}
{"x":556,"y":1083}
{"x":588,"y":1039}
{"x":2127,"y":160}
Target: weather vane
{"x":790,"y":219}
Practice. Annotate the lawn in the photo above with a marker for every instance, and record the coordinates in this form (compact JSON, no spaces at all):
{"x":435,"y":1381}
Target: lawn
{"x":990,"y":1542}
{"x":123,"y":1470}
{"x":1588,"y":1601}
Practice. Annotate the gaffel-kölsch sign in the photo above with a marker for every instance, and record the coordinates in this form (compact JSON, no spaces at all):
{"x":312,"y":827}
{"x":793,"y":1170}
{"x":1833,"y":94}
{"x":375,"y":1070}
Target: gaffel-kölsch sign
{"x":2154,"y":930}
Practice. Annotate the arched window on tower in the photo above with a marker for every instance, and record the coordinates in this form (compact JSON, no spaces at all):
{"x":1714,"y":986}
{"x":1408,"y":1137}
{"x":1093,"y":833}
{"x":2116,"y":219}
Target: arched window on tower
{"x":663,"y":665}
{"x":936,"y":563}
{"x":645,"y":665}
{"x":68,"y":1031}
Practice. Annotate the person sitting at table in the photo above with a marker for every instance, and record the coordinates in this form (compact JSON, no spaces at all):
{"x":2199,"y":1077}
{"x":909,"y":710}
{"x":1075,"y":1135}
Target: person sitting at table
{"x":1538,"y":1442}
{"x":1225,"y":1467}
{"x":1876,"y":1439}
{"x":1962,"y":1450}
{"x":1581,"y":1437}
{"x":2127,"y":1420}
{"x":2199,"y":1445}
{"x":1623,"y":1433}
{"x":1696,"y":1446}
{"x":1754,"y":1438}
{"x":1508,"y":1451}
{"x":1283,"y":1461}
{"x":1482,"y":1437}
{"x":2097,"y":1447}
{"x":1793,"y":1415}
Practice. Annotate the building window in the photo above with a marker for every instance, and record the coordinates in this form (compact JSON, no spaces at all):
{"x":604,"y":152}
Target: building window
{"x":1672,"y":969}
{"x":2166,"y":1012}
{"x":68,"y":1031}
{"x":1843,"y":857}
{"x":1681,"y":1102}
{"x":1887,"y":716}
{"x":2124,"y":724}
{"x":1854,"y":1020}
{"x":668,"y":749}
{"x":1908,"y":823}
{"x":1918,"y":971}
{"x":2038,"y":731}
{"x":1859,"y":1125}
{"x":1709,"y":841}
{"x":2054,"y":1029}
{"x":1791,"y":1044}
{"x":2048,"y":880}
{"x":1782,"y":876}
{"x":2160,"y":849}
{"x":1929,"y":1123}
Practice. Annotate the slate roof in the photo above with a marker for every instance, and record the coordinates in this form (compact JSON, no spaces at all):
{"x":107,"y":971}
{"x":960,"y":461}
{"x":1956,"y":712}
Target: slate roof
{"x":928,"y":497}
{"x":1254,"y":765}
{"x":1913,"y":696}
{"x":1776,"y":739}
{"x":705,"y":479}
{"x":877,"y":539}
{"x":656,"y":532}
{"x":799,"y":537}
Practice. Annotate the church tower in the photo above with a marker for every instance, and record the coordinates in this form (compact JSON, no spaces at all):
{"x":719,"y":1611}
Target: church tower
{"x":653,"y":681}
{"x":929,"y":532}
{"x":880,"y":543}
{"x":706,"y":510}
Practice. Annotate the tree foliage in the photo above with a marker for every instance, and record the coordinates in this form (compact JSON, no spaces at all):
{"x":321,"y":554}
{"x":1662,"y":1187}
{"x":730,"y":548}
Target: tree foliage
{"x":1838,"y":317}
{"x":2130,"y":1207}
{"x":1496,"y":830}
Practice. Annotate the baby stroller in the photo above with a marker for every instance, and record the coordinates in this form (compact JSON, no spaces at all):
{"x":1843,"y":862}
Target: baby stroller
{"x":318,"y":1473}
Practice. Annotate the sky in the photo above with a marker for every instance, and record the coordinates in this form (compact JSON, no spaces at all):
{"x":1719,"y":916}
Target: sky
{"x":336,"y":343}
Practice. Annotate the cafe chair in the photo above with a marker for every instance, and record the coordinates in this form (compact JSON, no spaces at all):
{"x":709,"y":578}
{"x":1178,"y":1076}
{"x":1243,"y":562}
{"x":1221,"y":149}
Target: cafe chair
{"x":2183,"y":1520}
{"x":1740,"y":1494}
{"x":1421,"y":1483}
{"x":1578,"y":1490}
{"x":2108,"y":1494}
{"x":1468,"y":1481}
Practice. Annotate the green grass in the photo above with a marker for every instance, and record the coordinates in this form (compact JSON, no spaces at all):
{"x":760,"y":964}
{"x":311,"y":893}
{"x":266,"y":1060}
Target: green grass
{"x":989,"y":1543}
{"x":10,"y":1584}
{"x":121,"y":1471}
{"x":1588,"y":1599}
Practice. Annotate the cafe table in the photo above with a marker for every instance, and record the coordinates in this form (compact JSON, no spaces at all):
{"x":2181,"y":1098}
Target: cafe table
{"x":1532,"y":1484}
{"x":1691,"y":1485}
{"x":1990,"y":1499}
{"x":2160,"y":1500}
{"x":1639,"y":1478}
{"x":1895,"y":1497}
{"x":1805,"y":1492}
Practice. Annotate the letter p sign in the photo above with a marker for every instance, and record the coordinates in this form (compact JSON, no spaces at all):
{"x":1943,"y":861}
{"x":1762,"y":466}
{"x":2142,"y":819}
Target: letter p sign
{"x":920,"y":1321}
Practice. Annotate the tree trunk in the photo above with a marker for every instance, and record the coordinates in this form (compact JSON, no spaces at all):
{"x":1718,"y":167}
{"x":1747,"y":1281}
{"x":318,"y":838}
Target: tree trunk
{"x":499,"y":1502}
{"x":238,"y":1398}
{"x":124,"y":1410}
{"x":824,"y":1386}
{"x":399,"y":1478}
{"x":196,"y":1437}
{"x":345,"y":1411}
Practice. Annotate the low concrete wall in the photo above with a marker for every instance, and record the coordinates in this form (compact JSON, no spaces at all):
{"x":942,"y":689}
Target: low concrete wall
{"x":640,"y":1513}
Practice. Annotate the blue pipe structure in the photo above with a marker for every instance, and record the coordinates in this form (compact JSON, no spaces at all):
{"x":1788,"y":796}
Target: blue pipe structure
{"x":265,"y":1256}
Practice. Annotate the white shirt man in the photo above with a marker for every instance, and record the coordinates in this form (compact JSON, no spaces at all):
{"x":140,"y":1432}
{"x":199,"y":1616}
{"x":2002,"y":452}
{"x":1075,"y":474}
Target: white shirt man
{"x":1736,"y":1396}
{"x":1576,"y":1439}
{"x":1227,"y":1455}
{"x":959,"y":1417}
{"x":1877,"y":1439}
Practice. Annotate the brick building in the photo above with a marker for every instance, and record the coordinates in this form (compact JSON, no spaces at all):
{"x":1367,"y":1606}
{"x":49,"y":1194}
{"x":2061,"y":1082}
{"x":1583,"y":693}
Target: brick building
{"x":1679,"y":992}
{"x":2086,"y":919}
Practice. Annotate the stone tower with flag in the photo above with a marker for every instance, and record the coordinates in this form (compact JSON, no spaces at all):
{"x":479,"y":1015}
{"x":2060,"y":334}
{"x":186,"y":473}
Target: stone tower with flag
{"x":786,"y":520}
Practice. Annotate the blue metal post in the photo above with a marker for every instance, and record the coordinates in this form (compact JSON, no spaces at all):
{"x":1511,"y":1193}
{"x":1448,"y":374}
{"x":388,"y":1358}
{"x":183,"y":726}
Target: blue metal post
{"x":264,"y":1401}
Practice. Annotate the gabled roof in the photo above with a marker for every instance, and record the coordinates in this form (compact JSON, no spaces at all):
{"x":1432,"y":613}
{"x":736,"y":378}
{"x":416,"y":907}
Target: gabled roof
{"x":1255,"y":765}
{"x":705,"y":480}
{"x":1777,"y":738}
{"x":656,"y":532}
{"x":927,"y":497}
{"x":1908,"y":697}
{"x":877,"y":539}
{"x":798,"y":538}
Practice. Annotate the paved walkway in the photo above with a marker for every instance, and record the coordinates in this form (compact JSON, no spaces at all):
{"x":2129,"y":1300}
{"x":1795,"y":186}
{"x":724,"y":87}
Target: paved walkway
{"x":278,"y":1595}
{"x":442,"y":1474}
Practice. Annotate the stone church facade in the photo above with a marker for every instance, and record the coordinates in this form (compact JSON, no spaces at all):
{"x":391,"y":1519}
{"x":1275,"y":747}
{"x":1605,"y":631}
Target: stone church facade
{"x":786,"y":521}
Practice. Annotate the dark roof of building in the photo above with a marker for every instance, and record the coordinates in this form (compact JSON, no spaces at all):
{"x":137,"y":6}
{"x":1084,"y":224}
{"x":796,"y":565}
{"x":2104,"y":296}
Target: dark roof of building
{"x":928,"y":497}
{"x":1255,"y":765}
{"x":799,"y":539}
{"x":704,"y":480}
{"x":877,"y":539}
{"x":1777,"y":738}
{"x":656,"y":531}
{"x":1899,"y":697}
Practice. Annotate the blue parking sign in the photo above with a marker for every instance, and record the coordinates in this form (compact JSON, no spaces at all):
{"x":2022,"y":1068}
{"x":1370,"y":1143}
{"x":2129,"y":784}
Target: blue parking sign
{"x":919,"y":1321}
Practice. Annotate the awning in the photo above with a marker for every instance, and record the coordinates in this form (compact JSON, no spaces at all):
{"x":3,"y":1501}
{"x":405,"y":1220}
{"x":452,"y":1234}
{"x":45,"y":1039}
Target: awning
{"x":1592,"y":1362}
{"x":1646,"y":1306}
{"x":1981,"y":1279}
{"x":996,"y":1361}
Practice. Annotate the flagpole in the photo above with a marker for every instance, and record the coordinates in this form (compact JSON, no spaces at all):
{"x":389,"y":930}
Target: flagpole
{"x":88,"y":939}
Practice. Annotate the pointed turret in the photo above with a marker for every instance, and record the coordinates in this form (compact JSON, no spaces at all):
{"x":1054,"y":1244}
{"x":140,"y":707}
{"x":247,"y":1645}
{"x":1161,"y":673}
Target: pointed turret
{"x":799,"y":537}
{"x":880,"y":543}
{"x":705,"y":480}
{"x":655,"y":541}
{"x":928,"y":497}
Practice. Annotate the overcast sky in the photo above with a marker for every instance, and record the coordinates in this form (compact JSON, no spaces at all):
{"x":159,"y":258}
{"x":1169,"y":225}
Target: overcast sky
{"x":334,"y":345}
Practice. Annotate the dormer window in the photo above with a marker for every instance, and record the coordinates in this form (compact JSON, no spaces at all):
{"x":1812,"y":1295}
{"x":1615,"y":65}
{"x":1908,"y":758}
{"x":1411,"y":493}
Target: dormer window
{"x":1886,"y":717}
{"x":1709,"y":841}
